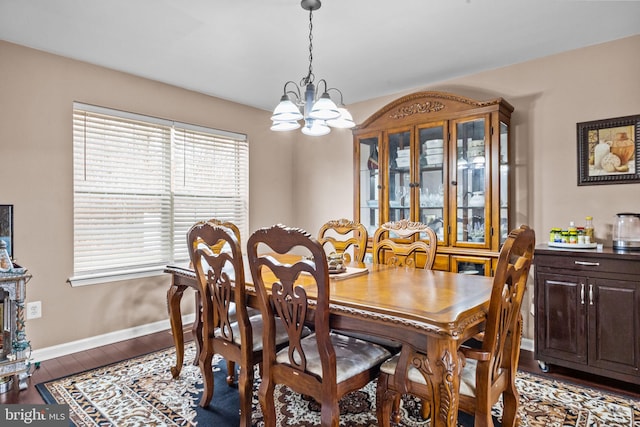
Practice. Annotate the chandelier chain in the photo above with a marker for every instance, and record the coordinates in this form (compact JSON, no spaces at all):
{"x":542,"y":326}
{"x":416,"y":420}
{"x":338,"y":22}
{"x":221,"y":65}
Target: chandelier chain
{"x":309,"y":77}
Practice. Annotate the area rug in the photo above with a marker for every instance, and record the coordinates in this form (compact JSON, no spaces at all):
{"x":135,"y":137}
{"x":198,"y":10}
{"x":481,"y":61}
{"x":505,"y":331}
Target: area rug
{"x":141,"y":392}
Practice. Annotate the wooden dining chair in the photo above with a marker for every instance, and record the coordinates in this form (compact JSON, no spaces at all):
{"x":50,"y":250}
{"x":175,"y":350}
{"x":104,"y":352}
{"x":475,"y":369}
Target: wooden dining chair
{"x":342,"y":234}
{"x":324,"y":365}
{"x":198,"y":324}
{"x":489,"y":371}
{"x":228,"y":329}
{"x":400,"y":243}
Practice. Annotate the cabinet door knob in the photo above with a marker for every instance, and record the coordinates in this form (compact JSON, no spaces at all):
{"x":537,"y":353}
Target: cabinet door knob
{"x":581,"y":293}
{"x":379,"y":187}
{"x":590,"y":294}
{"x":454,"y":182}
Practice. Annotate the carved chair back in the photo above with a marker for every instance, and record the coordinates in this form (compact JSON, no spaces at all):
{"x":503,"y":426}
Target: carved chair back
{"x":281,"y":299}
{"x":226,"y":326}
{"x":322,"y":365}
{"x":341,"y":234}
{"x":400,"y":243}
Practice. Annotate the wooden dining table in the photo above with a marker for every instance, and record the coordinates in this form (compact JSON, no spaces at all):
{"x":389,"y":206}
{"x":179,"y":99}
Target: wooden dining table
{"x":432,"y":311}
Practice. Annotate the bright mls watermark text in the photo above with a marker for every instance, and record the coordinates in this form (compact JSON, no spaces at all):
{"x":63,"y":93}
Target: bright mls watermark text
{"x":34,"y":415}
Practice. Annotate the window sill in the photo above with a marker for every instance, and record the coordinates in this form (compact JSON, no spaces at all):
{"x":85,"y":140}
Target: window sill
{"x":114,"y":276}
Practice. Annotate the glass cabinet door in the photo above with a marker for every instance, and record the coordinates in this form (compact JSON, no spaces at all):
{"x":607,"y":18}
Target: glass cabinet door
{"x":369,"y":183}
{"x":472,"y":184}
{"x":504,"y":182}
{"x":399,"y":175}
{"x":431,"y":185}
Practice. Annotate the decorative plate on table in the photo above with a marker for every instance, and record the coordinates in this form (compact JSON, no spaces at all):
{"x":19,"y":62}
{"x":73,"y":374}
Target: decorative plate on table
{"x":337,"y":270}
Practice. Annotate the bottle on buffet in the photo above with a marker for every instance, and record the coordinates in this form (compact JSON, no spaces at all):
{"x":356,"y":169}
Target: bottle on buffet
{"x":588,"y":230}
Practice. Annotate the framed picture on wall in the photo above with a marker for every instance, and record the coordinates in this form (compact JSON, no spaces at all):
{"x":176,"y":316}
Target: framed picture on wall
{"x":609,"y":151}
{"x":6,"y":227}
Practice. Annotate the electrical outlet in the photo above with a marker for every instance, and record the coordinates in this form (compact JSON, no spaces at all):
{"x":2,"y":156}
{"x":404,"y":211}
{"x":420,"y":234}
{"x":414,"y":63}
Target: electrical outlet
{"x":34,"y":310}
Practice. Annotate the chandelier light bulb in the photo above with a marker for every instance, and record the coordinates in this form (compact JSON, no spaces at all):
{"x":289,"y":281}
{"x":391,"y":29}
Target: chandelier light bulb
{"x":345,"y":121}
{"x":286,"y":111}
{"x":315,"y":128}
{"x":280,"y":126}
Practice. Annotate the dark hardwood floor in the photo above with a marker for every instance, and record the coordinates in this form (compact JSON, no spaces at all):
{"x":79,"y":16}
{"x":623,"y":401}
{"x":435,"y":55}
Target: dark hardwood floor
{"x":82,"y":361}
{"x":99,"y":356}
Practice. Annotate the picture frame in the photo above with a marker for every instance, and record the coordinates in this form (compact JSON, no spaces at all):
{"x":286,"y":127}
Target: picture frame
{"x":6,"y":227}
{"x":609,"y":151}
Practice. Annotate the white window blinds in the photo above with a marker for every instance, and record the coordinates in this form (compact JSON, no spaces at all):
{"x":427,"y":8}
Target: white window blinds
{"x":140,"y":183}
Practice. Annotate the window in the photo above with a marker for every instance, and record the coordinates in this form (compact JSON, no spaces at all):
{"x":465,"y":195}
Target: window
{"x":141,"y":182}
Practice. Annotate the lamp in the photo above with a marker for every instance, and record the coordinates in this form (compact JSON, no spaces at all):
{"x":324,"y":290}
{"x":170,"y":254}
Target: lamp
{"x":319,"y":112}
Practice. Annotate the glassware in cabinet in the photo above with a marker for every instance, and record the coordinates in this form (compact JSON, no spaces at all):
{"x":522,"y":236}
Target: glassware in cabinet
{"x":369,"y":185}
{"x":504,"y":182}
{"x":398,"y":178}
{"x":472,"y":182}
{"x":431,"y":184}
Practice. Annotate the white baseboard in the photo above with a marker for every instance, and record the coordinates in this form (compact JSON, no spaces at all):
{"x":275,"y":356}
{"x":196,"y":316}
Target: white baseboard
{"x":526,"y":344}
{"x":47,"y":353}
{"x":85,"y":344}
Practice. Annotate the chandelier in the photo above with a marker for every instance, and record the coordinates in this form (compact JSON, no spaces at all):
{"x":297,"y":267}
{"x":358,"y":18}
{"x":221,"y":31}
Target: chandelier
{"x":319,"y":113}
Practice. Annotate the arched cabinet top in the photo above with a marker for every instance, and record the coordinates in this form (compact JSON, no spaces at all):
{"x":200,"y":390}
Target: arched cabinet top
{"x":429,"y":106}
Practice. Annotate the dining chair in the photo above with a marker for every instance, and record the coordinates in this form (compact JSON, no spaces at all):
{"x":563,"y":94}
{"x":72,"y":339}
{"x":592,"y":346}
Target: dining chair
{"x":489,"y":371}
{"x":228,"y":329}
{"x":342,"y":234}
{"x":400,"y":243}
{"x":408,"y":245}
{"x":324,"y":365}
{"x":197,"y":327}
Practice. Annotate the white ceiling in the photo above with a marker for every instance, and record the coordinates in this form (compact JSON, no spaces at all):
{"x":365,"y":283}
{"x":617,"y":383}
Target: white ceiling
{"x":245,"y":50}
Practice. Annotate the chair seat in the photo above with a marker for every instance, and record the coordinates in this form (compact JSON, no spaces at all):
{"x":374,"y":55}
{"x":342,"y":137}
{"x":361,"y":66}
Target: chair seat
{"x":232,"y":312}
{"x":467,"y":379}
{"x":391,"y":345}
{"x":352,"y":355}
{"x":257,"y":327}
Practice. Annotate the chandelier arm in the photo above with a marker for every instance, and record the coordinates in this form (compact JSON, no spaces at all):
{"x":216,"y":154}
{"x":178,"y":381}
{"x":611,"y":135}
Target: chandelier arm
{"x":337,"y":90}
{"x":295,"y":92}
{"x":325,"y":85}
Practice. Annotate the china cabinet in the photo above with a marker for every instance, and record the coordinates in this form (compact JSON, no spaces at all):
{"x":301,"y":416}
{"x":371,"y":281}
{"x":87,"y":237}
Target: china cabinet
{"x":443,"y":160}
{"x":587,"y":314}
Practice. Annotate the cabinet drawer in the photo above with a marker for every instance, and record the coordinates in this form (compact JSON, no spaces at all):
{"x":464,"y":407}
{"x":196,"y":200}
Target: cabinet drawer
{"x":441,"y":262}
{"x":587,"y":264}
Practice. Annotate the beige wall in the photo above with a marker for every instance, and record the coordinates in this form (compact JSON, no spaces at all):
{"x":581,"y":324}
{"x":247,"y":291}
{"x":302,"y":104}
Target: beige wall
{"x":295,"y":179}
{"x":36,"y":95}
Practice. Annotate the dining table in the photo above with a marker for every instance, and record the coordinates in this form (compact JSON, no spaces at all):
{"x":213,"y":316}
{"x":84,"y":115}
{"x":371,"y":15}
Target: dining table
{"x":432,"y":311}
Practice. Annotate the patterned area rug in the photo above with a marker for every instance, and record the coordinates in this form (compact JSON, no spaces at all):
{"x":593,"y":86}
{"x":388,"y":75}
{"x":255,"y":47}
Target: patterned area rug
{"x":141,"y":392}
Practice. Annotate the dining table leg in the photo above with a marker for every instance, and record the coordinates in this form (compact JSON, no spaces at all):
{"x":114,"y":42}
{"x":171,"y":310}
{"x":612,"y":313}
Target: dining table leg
{"x":174,"y":296}
{"x":445,"y":370}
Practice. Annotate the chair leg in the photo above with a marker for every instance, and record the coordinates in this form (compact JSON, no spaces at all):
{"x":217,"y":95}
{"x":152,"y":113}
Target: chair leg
{"x":510,"y":400}
{"x":206,"y":371}
{"x":245,"y":390}
{"x":426,"y":409}
{"x":197,"y":328}
{"x":265,"y":396}
{"x":385,"y":400}
{"x":231,"y":372}
{"x":330,"y":414}
{"x":482,"y":416}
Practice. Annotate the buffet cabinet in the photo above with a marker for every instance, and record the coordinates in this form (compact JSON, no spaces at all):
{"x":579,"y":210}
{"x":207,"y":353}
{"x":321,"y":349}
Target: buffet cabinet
{"x":443,"y":160}
{"x":587,"y":311}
